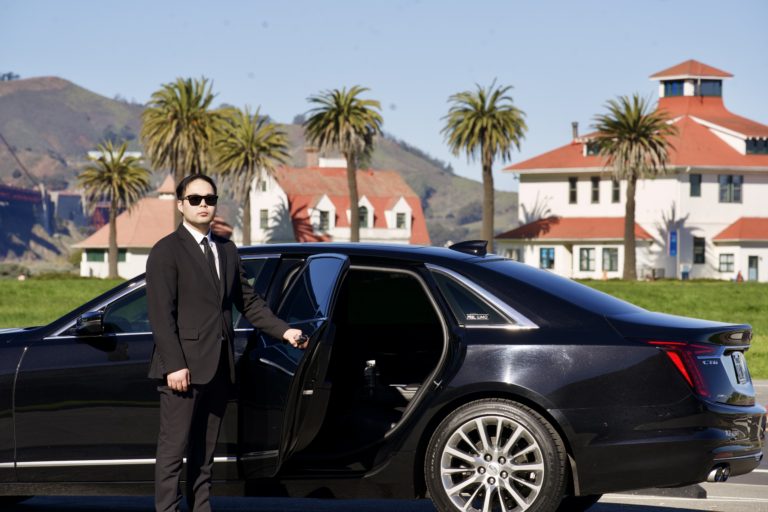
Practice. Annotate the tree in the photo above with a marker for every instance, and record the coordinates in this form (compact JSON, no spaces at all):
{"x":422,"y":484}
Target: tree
{"x":247,"y":145}
{"x":634,"y":142}
{"x":343,"y":121}
{"x":119,"y":179}
{"x":484,"y":124}
{"x":178,"y":127}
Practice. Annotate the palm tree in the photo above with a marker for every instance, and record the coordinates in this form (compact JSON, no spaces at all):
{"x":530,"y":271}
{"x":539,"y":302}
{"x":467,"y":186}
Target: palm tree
{"x":178,"y":127}
{"x":635,"y":143}
{"x":485,"y":124}
{"x":246,"y":146}
{"x":119,"y":179}
{"x":347,"y":123}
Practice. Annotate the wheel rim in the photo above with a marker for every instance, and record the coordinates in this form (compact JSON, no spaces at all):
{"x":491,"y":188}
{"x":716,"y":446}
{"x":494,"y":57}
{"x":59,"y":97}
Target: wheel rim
{"x":492,"y":464}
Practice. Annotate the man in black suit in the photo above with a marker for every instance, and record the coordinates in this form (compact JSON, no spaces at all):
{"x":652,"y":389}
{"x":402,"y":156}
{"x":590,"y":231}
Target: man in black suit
{"x":193,"y":281}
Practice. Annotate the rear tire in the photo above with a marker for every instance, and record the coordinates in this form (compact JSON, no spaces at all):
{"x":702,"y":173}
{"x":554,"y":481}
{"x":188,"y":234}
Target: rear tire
{"x":495,"y":455}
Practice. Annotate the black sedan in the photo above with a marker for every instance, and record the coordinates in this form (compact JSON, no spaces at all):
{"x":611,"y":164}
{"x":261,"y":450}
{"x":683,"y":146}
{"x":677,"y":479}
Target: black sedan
{"x":482,"y":383}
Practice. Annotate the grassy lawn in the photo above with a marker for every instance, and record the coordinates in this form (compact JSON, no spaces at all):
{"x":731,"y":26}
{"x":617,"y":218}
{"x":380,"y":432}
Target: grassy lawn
{"x":39,"y":301}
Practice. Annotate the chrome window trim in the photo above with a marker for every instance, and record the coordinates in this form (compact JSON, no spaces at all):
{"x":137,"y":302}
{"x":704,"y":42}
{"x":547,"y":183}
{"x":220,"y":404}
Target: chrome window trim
{"x":521,"y":321}
{"x":98,"y":462}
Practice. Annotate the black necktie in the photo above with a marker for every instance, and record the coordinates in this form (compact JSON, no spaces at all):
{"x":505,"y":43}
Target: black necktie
{"x":209,"y":256}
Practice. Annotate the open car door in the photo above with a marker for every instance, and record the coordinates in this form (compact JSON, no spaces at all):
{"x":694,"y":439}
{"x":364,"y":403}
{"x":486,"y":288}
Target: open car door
{"x":284,"y":392}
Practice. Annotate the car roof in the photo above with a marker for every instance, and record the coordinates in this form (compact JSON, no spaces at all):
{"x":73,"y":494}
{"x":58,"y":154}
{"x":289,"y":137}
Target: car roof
{"x":415,"y":253}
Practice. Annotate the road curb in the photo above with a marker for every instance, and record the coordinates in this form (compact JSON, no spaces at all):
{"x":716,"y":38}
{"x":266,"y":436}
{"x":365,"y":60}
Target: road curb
{"x":689,"y":491}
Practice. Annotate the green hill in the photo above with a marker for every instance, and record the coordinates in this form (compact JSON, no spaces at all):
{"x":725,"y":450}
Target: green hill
{"x":51,"y":124}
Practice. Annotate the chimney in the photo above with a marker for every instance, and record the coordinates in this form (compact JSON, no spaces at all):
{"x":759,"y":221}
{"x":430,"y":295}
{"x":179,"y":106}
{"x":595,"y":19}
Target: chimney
{"x":575,"y":129}
{"x":313,"y":156}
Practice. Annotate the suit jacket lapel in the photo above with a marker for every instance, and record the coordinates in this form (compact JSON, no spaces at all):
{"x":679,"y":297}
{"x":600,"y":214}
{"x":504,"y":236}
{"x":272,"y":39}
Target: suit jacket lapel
{"x":222,"y":269}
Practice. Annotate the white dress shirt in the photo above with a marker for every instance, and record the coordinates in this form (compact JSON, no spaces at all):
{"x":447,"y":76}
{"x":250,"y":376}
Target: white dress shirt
{"x":199,"y":239}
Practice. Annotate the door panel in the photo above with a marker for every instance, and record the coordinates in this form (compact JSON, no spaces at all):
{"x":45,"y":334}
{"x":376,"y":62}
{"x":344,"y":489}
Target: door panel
{"x":284,"y":388}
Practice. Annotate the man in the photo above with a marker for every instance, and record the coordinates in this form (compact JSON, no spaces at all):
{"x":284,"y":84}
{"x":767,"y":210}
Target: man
{"x":194,"y":279}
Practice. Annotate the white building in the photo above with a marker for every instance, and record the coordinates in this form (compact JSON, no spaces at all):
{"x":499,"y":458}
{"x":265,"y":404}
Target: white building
{"x":707,"y":218}
{"x":311,"y":204}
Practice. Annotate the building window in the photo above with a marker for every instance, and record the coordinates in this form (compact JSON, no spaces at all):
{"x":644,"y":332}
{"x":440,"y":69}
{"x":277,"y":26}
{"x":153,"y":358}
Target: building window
{"x":121,"y":255}
{"x":587,"y":258}
{"x":757,"y":146}
{"x":262,"y":185}
{"x":695,"y":185}
{"x":730,"y":188}
{"x":699,"y":246}
{"x":95,"y":255}
{"x":400,"y":221}
{"x":363,"y":215}
{"x":263,"y":219}
{"x":726,"y":263}
{"x":572,"y":189}
{"x":595,"y":189}
{"x":673,"y":88}
{"x":709,"y":88}
{"x":593,"y":148}
{"x":615,"y":191}
{"x":323,"y":221}
{"x":547,"y":257}
{"x":610,"y":259}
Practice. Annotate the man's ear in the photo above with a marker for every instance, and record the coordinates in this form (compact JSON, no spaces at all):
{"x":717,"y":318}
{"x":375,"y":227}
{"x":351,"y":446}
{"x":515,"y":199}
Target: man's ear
{"x":179,"y":206}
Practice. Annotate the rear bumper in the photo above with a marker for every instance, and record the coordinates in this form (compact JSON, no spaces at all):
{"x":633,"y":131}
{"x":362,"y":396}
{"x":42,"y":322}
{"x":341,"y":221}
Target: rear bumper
{"x":653,"y":448}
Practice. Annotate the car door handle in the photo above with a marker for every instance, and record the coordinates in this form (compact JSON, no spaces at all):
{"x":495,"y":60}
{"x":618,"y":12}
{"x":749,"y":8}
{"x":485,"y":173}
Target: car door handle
{"x":308,"y":392}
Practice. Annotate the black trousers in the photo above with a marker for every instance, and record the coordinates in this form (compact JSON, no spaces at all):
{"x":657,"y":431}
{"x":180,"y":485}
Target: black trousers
{"x":189,"y":425}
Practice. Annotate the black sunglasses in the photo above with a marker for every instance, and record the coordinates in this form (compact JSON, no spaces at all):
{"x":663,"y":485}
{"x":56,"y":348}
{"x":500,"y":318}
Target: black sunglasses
{"x":195,"y":199}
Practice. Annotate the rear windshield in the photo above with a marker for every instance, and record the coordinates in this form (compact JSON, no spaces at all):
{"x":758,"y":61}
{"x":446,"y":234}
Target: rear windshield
{"x":577,"y":294}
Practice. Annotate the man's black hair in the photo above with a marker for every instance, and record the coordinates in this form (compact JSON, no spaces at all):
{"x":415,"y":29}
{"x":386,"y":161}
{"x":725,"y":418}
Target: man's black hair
{"x":183,"y":184}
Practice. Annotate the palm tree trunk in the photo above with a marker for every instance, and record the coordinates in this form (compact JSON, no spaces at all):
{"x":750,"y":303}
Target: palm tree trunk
{"x":630,"y":266}
{"x":354,"y":211}
{"x":247,"y":217}
{"x":178,"y":175}
{"x":112,"y":253}
{"x":488,"y":202}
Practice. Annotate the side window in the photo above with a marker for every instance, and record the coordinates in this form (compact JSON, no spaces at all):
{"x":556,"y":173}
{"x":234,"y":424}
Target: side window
{"x":309,"y":296}
{"x":128,"y":314}
{"x":467,"y":307}
{"x":258,"y":271}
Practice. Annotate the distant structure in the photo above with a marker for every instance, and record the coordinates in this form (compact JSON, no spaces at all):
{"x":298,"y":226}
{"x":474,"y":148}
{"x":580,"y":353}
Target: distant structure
{"x":707,"y":218}
{"x":311,"y":204}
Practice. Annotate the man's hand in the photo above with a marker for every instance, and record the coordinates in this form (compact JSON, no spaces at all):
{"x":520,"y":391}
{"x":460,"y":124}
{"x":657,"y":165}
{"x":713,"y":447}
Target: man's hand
{"x":295,"y":338}
{"x":179,"y":380}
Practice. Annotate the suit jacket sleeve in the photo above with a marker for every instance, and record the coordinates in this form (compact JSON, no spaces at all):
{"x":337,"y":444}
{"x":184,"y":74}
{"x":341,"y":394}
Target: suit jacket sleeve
{"x":255,"y":308}
{"x":162,"y":303}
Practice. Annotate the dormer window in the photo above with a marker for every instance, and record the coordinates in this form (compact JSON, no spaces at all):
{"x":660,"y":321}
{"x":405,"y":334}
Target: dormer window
{"x":709,"y":88}
{"x":593,"y":148}
{"x":400,"y":220}
{"x":673,"y":88}
{"x":757,"y":146}
{"x":363,"y":211}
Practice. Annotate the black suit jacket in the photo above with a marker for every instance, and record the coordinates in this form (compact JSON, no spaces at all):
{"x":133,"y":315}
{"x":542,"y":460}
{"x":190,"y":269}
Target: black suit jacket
{"x":191,"y":314}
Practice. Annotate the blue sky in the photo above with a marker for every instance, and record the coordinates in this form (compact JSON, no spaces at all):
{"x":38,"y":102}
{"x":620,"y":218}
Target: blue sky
{"x":565,"y":59}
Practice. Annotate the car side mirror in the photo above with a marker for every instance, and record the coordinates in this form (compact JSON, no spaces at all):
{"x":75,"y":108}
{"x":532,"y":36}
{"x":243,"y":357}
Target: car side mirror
{"x":90,"y":324}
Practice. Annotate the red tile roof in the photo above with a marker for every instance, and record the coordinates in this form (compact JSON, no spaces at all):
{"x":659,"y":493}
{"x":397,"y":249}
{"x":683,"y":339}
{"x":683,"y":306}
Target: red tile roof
{"x":691,"y":69}
{"x":745,"y":229}
{"x":695,"y":145}
{"x":306,"y":186}
{"x":141,"y":227}
{"x":574,"y":228}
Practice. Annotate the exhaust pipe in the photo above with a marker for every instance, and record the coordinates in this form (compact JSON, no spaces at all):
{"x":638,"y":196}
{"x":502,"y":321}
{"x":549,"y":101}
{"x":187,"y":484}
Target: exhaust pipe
{"x":719,"y":473}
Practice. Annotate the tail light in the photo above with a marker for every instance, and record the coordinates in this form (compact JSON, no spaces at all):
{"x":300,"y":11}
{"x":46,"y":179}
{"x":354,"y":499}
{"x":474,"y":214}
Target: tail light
{"x":685,"y":358}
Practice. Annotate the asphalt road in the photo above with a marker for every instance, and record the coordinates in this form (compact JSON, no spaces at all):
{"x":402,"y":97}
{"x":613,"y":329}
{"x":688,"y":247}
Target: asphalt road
{"x":747,"y":493}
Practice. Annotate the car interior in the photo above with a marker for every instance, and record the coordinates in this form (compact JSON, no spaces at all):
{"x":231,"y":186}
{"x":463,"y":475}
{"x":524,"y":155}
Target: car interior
{"x":389,"y":338}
